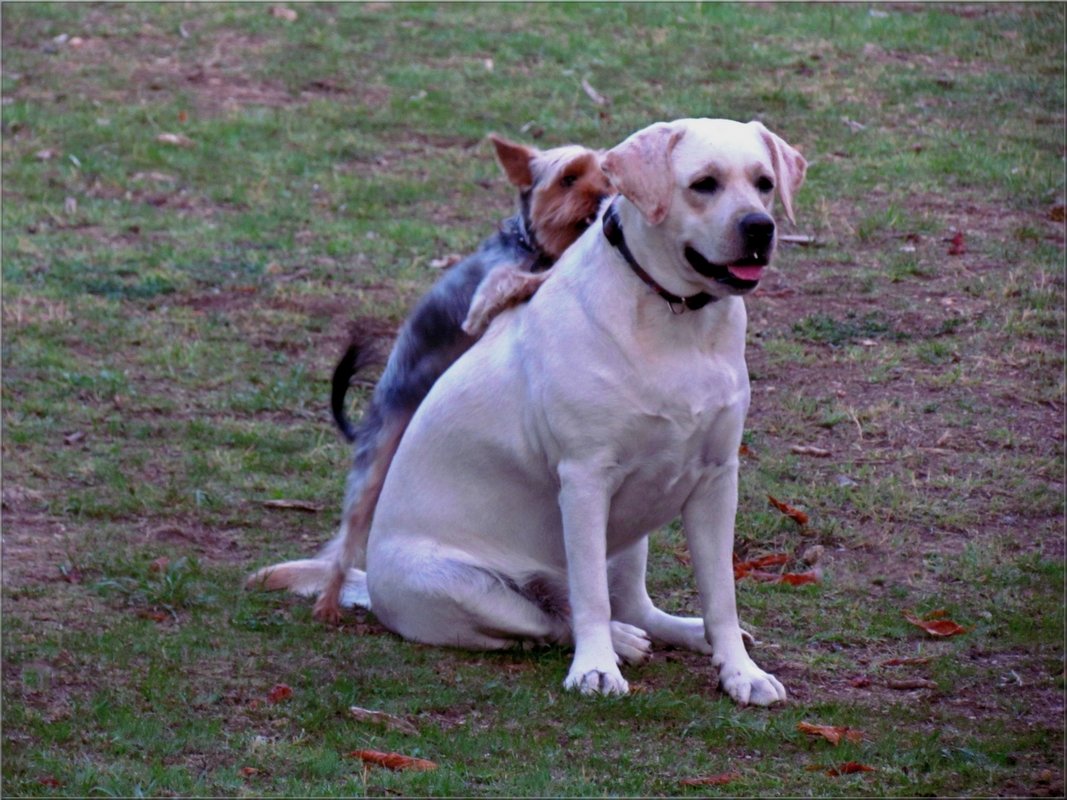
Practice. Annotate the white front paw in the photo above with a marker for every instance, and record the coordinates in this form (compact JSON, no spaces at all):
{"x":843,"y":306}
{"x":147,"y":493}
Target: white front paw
{"x":598,"y":680}
{"x":746,"y":683}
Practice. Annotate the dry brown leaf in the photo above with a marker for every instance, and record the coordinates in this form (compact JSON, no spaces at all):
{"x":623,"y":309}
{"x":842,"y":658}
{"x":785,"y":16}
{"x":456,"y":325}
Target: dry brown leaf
{"x":751,"y":568}
{"x":711,"y":780}
{"x":911,"y":683}
{"x":248,"y":772}
{"x":279,"y":692}
{"x":381,"y":718}
{"x":808,"y":450}
{"x":293,"y":505}
{"x":934,"y":624}
{"x":795,"y":514}
{"x":799,"y":578}
{"x":394,"y":761}
{"x":832,"y":733}
{"x":898,"y":662}
{"x":849,"y":768}
{"x":159,"y":565}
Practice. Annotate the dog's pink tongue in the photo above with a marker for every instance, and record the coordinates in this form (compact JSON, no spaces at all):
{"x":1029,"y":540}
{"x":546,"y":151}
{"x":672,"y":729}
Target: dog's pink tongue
{"x":746,"y":273}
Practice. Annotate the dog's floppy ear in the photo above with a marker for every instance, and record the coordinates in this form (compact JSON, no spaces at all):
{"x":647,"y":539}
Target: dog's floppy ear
{"x":788,"y":164}
{"x":640,"y":168}
{"x":515,"y":159}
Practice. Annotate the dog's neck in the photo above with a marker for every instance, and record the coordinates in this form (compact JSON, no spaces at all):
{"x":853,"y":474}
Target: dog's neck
{"x":615,"y":235}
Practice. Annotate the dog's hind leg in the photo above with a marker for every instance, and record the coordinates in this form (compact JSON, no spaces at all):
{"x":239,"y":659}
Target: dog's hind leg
{"x":630,"y":603}
{"x":439,"y":600}
{"x":350,"y":546}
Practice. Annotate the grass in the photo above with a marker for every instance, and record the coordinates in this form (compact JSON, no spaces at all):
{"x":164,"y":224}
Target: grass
{"x":171,"y":316}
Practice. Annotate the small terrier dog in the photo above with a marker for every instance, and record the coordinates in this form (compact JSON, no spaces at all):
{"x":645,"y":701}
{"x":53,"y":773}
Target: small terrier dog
{"x":560,"y":193}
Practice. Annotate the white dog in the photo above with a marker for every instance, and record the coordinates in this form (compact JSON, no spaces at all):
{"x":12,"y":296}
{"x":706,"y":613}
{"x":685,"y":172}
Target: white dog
{"x":521,"y":497}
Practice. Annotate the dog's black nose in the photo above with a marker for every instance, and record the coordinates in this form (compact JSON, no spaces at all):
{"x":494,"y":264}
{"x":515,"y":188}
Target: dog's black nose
{"x":757,"y":231}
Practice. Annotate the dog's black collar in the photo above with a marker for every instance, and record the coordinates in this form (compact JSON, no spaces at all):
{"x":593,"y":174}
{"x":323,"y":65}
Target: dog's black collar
{"x":527,"y":237}
{"x":613,"y":233}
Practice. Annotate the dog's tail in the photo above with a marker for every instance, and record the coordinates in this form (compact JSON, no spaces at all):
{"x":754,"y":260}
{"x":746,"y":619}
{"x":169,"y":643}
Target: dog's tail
{"x":358,"y":354}
{"x":308,"y":577}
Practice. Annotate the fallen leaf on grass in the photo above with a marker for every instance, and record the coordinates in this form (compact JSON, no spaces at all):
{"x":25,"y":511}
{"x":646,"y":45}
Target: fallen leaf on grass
{"x":50,"y":781}
{"x":279,"y":692}
{"x":746,"y":452}
{"x":745,"y":568}
{"x":711,"y":780}
{"x":899,"y":662}
{"x":155,"y":616}
{"x":1057,"y":213}
{"x":934,"y":624}
{"x":281,"y":12}
{"x":159,"y":565}
{"x":681,"y":555}
{"x":593,"y":94}
{"x":956,"y":245}
{"x":175,"y":139}
{"x":807,"y":450}
{"x":381,"y":718}
{"x":293,"y":505}
{"x":911,"y":683}
{"x":849,"y":768}
{"x":860,"y":682}
{"x":248,"y":772}
{"x":831,"y":733}
{"x":798,"y":578}
{"x":795,"y":514}
{"x":446,"y":261}
{"x":394,"y":761}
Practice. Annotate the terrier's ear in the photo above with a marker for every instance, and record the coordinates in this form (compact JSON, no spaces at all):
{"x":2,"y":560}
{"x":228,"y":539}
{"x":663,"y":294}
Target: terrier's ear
{"x":515,"y":159}
{"x":788,"y":164}
{"x":640,"y":168}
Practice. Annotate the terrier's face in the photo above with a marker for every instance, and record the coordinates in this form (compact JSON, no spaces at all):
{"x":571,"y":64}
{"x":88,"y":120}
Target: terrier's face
{"x":562,"y":187}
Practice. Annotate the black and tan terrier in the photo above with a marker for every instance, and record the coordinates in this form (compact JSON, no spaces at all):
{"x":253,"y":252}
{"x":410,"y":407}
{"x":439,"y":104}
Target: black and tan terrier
{"x":560,"y":192}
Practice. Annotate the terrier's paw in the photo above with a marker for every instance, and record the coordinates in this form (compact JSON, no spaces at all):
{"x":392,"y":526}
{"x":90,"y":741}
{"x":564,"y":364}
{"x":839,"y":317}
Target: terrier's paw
{"x":746,"y":683}
{"x":327,"y":609}
{"x":631,"y":644}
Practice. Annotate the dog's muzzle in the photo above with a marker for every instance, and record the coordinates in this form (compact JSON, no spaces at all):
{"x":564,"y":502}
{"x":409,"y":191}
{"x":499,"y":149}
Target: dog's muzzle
{"x":757,"y":238}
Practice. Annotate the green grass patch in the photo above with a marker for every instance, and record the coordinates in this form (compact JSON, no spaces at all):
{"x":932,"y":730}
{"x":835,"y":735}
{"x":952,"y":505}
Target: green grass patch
{"x":172,"y":313}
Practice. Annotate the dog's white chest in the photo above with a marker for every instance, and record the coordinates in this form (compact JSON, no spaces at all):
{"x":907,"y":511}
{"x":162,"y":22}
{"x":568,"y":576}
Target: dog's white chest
{"x":691,"y":424}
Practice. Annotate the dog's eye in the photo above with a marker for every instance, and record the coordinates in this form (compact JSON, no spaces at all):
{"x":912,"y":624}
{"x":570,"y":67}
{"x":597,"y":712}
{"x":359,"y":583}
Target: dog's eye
{"x":765,"y":185}
{"x":706,"y":185}
{"x":569,"y":180}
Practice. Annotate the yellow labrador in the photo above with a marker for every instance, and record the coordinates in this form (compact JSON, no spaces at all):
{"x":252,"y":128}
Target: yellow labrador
{"x":521,"y":497}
